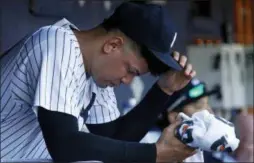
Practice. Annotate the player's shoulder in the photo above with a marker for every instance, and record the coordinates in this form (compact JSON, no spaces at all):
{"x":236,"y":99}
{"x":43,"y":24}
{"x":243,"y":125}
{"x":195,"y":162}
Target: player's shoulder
{"x":51,"y":28}
{"x":47,"y":34}
{"x":59,"y":30}
{"x":52,"y":31}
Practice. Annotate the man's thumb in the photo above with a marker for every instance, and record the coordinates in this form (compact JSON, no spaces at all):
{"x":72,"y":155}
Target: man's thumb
{"x":177,"y":123}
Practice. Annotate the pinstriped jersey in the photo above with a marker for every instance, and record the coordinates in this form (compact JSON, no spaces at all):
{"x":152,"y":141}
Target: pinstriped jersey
{"x":46,"y":70}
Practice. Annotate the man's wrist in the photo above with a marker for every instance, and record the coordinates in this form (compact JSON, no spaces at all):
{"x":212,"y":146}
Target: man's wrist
{"x":158,"y":152}
{"x":165,"y":90}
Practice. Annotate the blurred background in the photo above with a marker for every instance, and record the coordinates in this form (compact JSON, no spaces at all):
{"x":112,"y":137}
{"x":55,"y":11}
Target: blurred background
{"x":216,"y":35}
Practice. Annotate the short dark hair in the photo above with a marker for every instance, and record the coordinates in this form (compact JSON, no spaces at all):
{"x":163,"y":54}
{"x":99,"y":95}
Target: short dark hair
{"x":155,"y":66}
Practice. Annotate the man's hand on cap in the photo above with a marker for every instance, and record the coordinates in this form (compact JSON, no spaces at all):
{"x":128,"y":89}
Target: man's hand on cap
{"x":174,"y":80}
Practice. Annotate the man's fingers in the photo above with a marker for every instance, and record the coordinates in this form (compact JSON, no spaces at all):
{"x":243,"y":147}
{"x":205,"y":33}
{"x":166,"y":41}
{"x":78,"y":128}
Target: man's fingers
{"x":176,"y":55}
{"x":188,"y":69}
{"x":175,"y":124}
{"x":193,"y":73}
{"x":183,"y":60}
{"x":190,"y":151}
{"x":171,"y":128}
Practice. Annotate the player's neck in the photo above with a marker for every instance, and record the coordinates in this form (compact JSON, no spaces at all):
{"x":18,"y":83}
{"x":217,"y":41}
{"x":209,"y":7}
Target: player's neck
{"x":89,"y":43}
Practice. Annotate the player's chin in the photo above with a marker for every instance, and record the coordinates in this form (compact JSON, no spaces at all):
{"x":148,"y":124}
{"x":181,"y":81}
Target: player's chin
{"x":101,"y":84}
{"x":104,"y":83}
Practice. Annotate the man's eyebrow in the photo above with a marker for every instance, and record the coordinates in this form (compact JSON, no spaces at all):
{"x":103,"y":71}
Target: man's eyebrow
{"x":134,"y":70}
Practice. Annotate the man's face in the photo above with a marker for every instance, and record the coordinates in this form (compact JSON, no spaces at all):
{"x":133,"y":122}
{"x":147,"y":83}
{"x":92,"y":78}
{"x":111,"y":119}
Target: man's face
{"x":117,"y":63}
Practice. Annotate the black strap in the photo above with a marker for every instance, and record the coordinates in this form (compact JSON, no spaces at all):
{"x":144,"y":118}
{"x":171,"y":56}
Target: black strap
{"x":84,"y":112}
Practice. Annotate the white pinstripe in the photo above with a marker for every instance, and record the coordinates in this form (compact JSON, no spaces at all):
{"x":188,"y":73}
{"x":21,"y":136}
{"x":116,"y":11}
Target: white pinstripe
{"x":48,"y":71}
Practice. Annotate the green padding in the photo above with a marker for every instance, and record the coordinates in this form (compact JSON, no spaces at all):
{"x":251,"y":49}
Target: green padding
{"x":197,"y":91}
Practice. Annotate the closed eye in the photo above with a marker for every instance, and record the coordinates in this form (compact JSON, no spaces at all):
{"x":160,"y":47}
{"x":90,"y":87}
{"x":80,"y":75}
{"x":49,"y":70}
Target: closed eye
{"x":133,"y":71}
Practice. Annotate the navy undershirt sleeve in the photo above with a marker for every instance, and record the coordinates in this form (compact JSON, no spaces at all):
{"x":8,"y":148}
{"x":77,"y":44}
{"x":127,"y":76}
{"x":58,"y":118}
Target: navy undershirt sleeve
{"x":135,"y":124}
{"x":66,"y":144}
{"x":116,"y":141}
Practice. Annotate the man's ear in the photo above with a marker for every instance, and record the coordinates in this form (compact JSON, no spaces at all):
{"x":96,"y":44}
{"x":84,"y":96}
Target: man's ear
{"x":113,"y":45}
{"x":172,"y":116}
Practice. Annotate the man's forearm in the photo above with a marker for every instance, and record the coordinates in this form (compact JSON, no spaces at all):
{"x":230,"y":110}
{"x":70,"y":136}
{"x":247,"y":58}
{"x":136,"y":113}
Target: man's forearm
{"x":86,"y":146}
{"x":135,"y":124}
{"x":66,"y":144}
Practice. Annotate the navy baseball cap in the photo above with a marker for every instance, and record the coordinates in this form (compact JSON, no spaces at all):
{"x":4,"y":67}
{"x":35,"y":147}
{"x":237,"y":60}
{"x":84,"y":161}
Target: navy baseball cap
{"x":150,"y":27}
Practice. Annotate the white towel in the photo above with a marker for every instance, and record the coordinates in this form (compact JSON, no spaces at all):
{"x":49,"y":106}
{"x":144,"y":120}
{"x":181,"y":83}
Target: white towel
{"x":207,"y":132}
{"x":198,"y":157}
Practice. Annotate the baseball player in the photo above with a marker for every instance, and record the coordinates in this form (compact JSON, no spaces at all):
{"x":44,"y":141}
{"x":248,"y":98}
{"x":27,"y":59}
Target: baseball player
{"x":61,"y":79}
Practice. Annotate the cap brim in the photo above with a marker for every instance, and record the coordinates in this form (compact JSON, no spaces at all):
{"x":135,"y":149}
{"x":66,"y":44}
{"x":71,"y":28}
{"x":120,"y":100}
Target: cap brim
{"x":167,"y":59}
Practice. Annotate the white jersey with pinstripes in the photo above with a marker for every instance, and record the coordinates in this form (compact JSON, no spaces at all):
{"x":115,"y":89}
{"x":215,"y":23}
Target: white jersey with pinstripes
{"x":48,"y":71}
